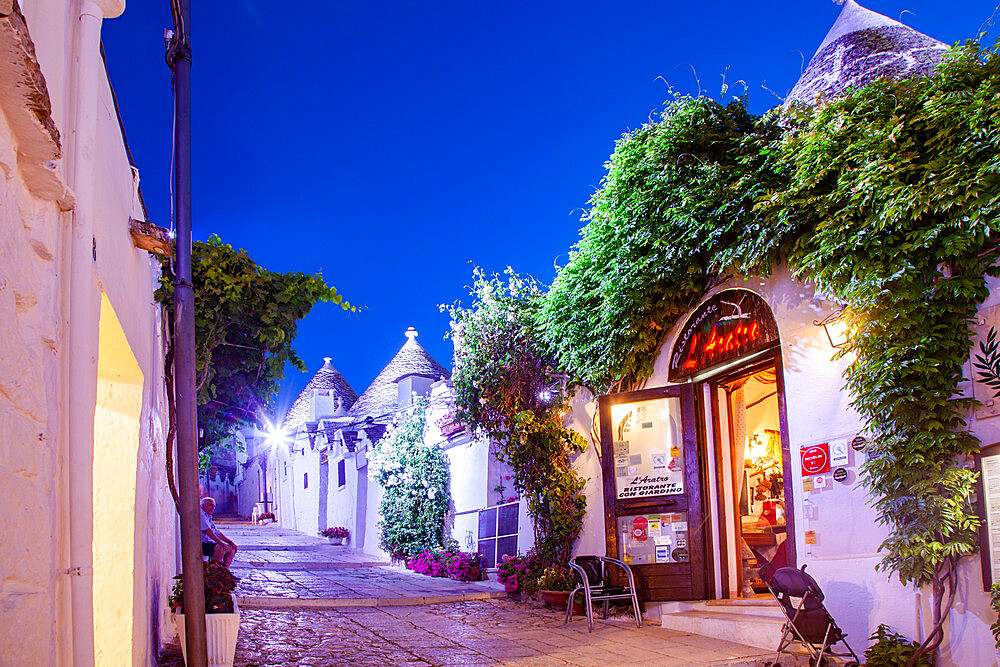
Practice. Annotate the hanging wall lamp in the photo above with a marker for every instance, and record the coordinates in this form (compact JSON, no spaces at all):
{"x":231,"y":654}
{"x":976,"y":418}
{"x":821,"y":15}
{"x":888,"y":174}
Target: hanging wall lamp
{"x":836,"y":328}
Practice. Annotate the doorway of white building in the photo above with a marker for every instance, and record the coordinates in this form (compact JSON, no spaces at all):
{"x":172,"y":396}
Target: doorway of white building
{"x":745,"y":415}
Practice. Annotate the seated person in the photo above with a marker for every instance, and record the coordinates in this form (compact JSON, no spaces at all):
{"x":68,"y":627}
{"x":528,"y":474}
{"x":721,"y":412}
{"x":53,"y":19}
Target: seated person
{"x":215,"y":545}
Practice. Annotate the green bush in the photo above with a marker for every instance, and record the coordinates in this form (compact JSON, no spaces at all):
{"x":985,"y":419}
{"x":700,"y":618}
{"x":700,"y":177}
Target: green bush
{"x":892,"y":649}
{"x":415,"y":477}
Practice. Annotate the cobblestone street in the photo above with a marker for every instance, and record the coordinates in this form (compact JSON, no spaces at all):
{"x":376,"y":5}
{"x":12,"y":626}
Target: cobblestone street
{"x":305,"y":602}
{"x":488,"y":632}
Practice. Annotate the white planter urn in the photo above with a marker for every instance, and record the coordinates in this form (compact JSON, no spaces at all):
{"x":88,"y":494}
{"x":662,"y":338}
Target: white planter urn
{"x":264,"y":522}
{"x":336,"y":540}
{"x":220,"y":634}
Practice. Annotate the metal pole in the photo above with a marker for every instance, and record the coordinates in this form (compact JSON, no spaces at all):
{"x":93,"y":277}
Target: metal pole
{"x":179,"y":57}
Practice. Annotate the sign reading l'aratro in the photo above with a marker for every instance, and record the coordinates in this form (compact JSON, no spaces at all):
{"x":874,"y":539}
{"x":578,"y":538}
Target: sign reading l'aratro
{"x":731,"y":324}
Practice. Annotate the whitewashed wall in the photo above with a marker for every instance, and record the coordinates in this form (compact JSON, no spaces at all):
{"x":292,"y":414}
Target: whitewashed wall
{"x":49,"y":375}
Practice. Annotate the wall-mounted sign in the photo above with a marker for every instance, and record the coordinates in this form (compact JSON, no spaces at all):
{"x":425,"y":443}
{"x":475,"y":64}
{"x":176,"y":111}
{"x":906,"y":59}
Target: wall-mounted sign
{"x":815,"y":459}
{"x":840,"y":474}
{"x":729,"y":325}
{"x":839,"y":455}
{"x":859,"y":442}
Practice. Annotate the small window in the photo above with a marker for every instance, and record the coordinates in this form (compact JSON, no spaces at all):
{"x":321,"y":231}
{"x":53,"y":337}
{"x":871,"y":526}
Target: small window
{"x":341,"y":473}
{"x":305,"y":480}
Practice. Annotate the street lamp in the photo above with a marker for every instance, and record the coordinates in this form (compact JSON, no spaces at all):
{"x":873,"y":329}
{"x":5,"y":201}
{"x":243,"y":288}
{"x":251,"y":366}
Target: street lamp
{"x":836,"y":327}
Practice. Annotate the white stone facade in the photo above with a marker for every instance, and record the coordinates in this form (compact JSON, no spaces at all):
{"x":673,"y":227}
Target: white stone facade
{"x":89,"y":544}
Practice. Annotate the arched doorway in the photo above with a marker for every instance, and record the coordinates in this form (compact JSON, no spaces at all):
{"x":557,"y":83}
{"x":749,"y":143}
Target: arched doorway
{"x":697,"y":473}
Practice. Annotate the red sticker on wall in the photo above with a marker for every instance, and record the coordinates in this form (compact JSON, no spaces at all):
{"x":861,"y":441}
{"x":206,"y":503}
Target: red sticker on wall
{"x":816,"y":459}
{"x":639,"y":528}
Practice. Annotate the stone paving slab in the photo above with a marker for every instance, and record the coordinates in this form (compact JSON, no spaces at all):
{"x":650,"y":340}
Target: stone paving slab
{"x":378,"y":583}
{"x":491,"y":632}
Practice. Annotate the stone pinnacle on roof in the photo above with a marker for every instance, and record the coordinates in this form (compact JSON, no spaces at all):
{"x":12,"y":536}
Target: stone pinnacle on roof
{"x":381,"y":398}
{"x":326,"y":382}
{"x":863,"y":46}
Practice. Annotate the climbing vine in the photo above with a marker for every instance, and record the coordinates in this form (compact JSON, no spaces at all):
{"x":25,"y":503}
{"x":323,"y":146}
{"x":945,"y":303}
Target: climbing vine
{"x":885,"y":198}
{"x":245,"y":322}
{"x":506,"y":387}
{"x":415,"y":478}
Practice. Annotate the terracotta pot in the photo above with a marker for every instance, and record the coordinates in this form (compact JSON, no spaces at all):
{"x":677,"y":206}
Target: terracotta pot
{"x":558,"y":600}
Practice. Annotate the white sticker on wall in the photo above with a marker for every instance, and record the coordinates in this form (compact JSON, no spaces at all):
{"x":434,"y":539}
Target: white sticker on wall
{"x":839,"y":452}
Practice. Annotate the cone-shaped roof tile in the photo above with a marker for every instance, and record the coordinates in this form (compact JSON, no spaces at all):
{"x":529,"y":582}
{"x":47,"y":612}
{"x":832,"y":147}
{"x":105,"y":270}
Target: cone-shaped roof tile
{"x":381,"y":398}
{"x":863,"y":46}
{"x":327,"y":379}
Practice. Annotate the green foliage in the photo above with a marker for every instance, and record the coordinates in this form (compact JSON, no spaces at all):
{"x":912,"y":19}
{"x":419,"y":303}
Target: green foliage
{"x":885,"y":198}
{"x":245,"y":321}
{"x":415,"y":477}
{"x":988,"y":362}
{"x":674,"y":209}
{"x":892,"y":649}
{"x":556,"y":578}
{"x":995,"y":602}
{"x":503,"y":386}
{"x":219,"y":586}
{"x":895,"y":189}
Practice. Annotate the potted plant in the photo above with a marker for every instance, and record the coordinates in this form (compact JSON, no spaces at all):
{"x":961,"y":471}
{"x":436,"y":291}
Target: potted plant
{"x":222,"y":614}
{"x":266,"y":518}
{"x":335,"y":535}
{"x":555,"y":584}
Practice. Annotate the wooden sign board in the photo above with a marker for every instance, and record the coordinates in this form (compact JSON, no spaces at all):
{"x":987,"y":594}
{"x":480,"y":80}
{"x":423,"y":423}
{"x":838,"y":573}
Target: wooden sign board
{"x":729,"y":325}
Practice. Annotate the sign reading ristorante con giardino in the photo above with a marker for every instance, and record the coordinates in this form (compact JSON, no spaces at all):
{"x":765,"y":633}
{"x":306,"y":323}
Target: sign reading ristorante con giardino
{"x":729,"y":325}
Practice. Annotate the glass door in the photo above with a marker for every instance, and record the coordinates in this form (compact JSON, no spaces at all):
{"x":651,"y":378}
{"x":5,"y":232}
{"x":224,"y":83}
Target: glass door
{"x":652,"y":490}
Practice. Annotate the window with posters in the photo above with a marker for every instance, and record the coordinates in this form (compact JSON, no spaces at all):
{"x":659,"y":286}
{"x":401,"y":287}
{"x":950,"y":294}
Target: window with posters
{"x":647,"y":539}
{"x":648,"y":448}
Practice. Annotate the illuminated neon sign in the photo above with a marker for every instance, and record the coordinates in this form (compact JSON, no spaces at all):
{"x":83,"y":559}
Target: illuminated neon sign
{"x":731,"y":324}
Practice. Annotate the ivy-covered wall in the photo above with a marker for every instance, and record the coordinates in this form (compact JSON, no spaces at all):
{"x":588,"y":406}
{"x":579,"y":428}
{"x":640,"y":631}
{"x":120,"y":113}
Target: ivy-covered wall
{"x":886,"y":199}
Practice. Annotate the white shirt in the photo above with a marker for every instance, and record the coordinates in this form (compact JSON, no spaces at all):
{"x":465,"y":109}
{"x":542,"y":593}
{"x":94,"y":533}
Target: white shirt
{"x":207,"y":524}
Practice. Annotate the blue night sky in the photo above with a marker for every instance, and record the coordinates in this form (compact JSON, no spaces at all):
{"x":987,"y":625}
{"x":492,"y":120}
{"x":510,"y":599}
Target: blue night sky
{"x":393,"y":145}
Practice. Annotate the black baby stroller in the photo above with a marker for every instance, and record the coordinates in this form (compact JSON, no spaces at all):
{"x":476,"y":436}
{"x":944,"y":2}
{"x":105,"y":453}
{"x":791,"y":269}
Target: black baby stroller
{"x":809,"y":623}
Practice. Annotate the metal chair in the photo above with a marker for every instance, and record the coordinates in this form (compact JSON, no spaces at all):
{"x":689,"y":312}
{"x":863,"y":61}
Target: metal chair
{"x":591,"y":578}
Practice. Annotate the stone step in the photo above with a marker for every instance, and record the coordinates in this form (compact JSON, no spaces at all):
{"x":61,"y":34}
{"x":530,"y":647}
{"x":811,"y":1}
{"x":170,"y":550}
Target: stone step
{"x":749,"y":625}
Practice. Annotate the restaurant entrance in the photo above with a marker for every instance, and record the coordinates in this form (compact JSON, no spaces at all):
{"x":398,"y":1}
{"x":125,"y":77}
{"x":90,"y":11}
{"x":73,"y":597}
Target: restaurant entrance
{"x":697,"y":473}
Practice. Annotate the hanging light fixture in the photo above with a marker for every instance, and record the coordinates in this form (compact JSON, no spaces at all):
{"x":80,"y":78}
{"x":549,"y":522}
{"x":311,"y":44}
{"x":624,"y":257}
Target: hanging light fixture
{"x":836,"y":328}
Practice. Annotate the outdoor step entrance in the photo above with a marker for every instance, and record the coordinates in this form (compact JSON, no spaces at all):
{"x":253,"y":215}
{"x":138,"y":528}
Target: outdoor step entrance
{"x":755,"y":622}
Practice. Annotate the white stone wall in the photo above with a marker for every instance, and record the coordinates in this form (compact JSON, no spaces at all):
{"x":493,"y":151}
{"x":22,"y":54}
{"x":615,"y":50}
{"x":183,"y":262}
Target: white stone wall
{"x":29,"y":420}
{"x":55,"y":341}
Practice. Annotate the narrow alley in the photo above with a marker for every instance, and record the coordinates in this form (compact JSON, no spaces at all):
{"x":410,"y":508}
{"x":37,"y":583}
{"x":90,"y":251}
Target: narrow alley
{"x":305,"y":602}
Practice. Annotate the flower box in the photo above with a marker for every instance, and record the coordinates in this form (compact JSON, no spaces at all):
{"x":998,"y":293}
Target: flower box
{"x":336,"y":540}
{"x":221,"y":631}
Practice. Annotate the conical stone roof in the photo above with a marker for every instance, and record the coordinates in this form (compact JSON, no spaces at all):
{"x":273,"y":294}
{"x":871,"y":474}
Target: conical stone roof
{"x":327,"y":380}
{"x":381,"y":398}
{"x":863,"y":46}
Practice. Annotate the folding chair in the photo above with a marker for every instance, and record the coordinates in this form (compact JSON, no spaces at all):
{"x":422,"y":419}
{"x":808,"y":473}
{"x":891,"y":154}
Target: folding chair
{"x":808,"y":622}
{"x":591,"y":578}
